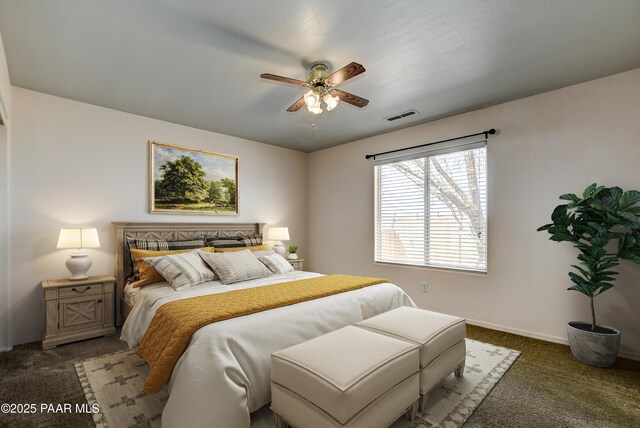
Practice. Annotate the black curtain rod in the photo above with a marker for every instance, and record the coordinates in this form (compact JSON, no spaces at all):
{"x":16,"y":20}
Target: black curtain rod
{"x":486,"y":135}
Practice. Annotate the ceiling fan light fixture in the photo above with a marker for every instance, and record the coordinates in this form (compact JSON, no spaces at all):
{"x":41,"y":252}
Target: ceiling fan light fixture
{"x":316,"y":108}
{"x":331,"y":101}
{"x":311,"y":99}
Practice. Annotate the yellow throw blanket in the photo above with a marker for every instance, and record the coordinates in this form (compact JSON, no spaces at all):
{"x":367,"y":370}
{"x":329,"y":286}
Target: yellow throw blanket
{"x":175,"y":322}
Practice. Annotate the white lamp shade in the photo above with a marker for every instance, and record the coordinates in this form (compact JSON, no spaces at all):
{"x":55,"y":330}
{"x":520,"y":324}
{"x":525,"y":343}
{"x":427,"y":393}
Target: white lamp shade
{"x":78,"y":238}
{"x":278,"y":234}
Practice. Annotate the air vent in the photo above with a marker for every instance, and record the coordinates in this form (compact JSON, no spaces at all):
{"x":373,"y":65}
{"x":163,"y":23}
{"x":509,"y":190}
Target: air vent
{"x":401,"y":115}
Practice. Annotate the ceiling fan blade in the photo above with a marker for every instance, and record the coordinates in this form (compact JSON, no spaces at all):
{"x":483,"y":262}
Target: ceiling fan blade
{"x":283,"y":79}
{"x":350,"y":98}
{"x":345,"y":73}
{"x":297,"y":105}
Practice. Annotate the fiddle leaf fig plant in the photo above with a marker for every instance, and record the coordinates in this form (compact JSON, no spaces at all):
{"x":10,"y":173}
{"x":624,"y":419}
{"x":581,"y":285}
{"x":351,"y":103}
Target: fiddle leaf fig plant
{"x":604,"y":225}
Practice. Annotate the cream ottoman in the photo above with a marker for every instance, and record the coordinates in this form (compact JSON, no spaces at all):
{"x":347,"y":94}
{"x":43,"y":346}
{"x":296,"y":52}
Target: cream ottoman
{"x":350,"y":377}
{"x":439,"y":336}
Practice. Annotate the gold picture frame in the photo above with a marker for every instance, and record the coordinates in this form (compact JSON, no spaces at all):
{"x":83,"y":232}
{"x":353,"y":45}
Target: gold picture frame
{"x":191,"y":181}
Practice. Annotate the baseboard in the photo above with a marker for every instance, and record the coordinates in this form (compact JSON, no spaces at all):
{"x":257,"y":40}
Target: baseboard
{"x":540,"y":336}
{"x":28,"y":339}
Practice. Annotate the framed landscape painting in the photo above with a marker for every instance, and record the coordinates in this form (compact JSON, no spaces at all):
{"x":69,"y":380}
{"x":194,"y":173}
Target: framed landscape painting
{"x":191,"y":181}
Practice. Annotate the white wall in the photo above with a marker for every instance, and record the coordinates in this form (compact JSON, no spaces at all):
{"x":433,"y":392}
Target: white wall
{"x":5,"y":109}
{"x":548,"y":144}
{"x":76,"y":164}
{"x":5,"y":84}
{"x":5,"y":304}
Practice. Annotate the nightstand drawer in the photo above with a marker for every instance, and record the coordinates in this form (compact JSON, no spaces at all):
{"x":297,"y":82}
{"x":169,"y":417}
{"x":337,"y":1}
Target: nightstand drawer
{"x":79,"y":290}
{"x":298,"y":264}
{"x":80,"y":313}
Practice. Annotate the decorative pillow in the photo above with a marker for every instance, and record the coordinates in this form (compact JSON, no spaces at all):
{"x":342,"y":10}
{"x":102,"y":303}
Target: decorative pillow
{"x":236,"y":266}
{"x":212,"y":241}
{"x":252,"y":241}
{"x":161,"y":245}
{"x":182,"y":270}
{"x":146,"y":273}
{"x":276,"y":263}
{"x":233,"y":242}
{"x":233,"y":250}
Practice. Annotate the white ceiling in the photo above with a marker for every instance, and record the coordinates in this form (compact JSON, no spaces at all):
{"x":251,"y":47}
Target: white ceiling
{"x":198,"y":62}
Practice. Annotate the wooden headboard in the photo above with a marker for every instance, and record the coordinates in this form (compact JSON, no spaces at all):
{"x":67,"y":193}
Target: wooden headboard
{"x":125,"y":230}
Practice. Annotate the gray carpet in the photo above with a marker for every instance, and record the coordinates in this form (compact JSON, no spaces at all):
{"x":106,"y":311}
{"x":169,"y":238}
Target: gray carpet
{"x":545,"y":387}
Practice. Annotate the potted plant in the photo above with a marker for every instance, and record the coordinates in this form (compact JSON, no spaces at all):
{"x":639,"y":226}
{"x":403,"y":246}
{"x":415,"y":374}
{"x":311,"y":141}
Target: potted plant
{"x":591,"y":223}
{"x":293,"y":252}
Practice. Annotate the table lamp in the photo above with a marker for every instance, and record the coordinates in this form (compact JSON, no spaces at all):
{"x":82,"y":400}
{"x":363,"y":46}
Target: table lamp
{"x":278,"y":234}
{"x":79,"y":262}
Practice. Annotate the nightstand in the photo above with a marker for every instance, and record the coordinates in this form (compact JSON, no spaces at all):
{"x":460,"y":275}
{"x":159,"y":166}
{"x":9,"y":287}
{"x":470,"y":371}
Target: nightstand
{"x":77,"y":310}
{"x":297,"y":264}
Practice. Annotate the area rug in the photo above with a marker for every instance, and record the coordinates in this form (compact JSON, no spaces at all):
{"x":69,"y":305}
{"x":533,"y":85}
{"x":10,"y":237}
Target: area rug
{"x":114,"y":381}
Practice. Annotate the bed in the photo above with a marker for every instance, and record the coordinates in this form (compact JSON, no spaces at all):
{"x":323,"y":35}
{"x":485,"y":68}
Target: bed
{"x":224,"y":374}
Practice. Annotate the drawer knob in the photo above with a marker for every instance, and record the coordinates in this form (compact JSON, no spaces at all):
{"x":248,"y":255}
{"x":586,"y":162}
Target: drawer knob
{"x":77,"y":291}
{"x":99,"y":300}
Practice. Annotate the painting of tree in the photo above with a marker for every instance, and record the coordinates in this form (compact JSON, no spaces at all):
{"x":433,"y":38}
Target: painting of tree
{"x":189,"y":181}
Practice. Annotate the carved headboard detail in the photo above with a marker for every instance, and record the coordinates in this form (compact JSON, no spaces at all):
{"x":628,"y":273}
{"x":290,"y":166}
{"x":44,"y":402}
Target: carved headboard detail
{"x":170,"y":231}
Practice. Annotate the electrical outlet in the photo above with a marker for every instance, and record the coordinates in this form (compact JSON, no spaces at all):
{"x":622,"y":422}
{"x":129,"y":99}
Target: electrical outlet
{"x":425,"y":287}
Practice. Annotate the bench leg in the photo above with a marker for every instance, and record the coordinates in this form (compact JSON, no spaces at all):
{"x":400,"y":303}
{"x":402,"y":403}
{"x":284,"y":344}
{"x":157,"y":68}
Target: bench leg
{"x":412,"y":411}
{"x":459,"y":371}
{"x":423,"y":402}
{"x":280,"y":422}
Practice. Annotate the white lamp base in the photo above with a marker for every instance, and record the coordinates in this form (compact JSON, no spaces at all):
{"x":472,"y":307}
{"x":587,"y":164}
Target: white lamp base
{"x":279,"y":248}
{"x":78,"y":264}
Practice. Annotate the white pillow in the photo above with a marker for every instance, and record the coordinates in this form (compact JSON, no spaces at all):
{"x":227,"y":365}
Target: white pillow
{"x":182,"y":270}
{"x":276,"y":263}
{"x":235,"y":266}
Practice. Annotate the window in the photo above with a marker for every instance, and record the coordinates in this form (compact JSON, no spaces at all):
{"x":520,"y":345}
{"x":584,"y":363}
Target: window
{"x":431,"y":209}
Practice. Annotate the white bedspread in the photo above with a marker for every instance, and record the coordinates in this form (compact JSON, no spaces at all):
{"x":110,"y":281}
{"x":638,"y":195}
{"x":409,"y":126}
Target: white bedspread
{"x":224,"y":374}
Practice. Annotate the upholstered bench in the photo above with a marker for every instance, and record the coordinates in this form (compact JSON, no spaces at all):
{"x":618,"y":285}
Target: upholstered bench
{"x":441,"y":339}
{"x":350,"y":377}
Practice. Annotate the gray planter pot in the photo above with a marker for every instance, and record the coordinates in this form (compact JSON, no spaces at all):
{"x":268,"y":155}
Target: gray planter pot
{"x":599,"y":349}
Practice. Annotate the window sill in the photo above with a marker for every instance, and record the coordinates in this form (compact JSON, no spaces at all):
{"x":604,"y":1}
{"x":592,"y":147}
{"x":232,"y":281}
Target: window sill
{"x":437,"y":268}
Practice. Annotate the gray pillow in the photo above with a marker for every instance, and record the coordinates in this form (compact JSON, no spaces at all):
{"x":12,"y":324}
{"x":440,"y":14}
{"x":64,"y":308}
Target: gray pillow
{"x":236,"y":266}
{"x":182,"y":270}
{"x":276,"y":263}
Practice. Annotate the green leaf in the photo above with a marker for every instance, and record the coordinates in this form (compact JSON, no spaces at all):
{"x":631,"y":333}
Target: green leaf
{"x":570,"y":197}
{"x":610,"y":264}
{"x":582,"y":271}
{"x":629,"y":199}
{"x":559,"y":215}
{"x":561,"y":237}
{"x":577,"y":279}
{"x":589,"y":190}
{"x":630,"y":216}
{"x":600,"y":240}
{"x":615,"y":193}
{"x":582,"y":289}
{"x":603,"y":289}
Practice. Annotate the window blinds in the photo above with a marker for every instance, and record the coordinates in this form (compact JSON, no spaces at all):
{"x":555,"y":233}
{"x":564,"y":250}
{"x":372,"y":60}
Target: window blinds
{"x":431,"y":208}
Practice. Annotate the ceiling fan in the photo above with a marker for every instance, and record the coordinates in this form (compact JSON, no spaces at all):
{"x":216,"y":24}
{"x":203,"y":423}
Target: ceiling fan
{"x":321,"y":87}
